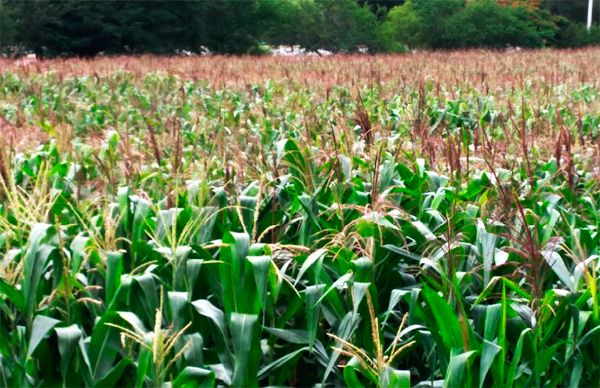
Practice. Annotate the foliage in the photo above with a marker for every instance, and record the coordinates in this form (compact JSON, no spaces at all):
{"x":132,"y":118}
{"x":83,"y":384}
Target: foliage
{"x":575,"y":10}
{"x":483,"y":23}
{"x":322,"y":24}
{"x":435,"y":225}
{"x":571,"y":34}
{"x":7,"y":26}
{"x":487,"y":24}
{"x":402,"y":26}
{"x":88,"y":28}
{"x":433,"y":15}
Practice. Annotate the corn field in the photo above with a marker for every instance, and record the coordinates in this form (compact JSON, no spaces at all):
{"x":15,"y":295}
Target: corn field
{"x":390,"y":221}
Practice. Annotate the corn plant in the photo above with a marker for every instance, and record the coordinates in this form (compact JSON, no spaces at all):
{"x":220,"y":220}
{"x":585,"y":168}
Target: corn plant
{"x":432,"y":221}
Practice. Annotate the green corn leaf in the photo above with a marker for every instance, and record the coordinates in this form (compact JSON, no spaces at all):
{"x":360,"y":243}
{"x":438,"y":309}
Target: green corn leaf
{"x":489,"y":351}
{"x":141,"y":215}
{"x":486,"y":242}
{"x":208,"y":310}
{"x":193,"y":355}
{"x":68,"y":338}
{"x":338,"y":283}
{"x":123,"y":200}
{"x":512,"y":370}
{"x":134,"y":321}
{"x":15,"y":296}
{"x":166,"y":221}
{"x":344,"y":331}
{"x":445,"y":319}
{"x":350,"y":374}
{"x":424,"y":230}
{"x":264,"y":372}
{"x":232,"y":271}
{"x":459,"y":369}
{"x":559,"y":267}
{"x":192,"y":272}
{"x":574,"y":380}
{"x":36,"y":258}
{"x":144,"y":373}
{"x":220,"y":333}
{"x":544,"y":358}
{"x":114,"y":374}
{"x":246,"y":353}
{"x":290,"y":335}
{"x":114,"y":270}
{"x":363,"y":268}
{"x":79,"y":247}
{"x":309,"y":262}
{"x":145,"y":295}
{"x":41,"y":326}
{"x":394,"y":378}
{"x":493,"y":315}
{"x":192,"y":376}
{"x":506,"y":282}
{"x":179,"y":267}
{"x":312,"y":295}
{"x":103,"y":347}
{"x":595,"y":332}
{"x":359,"y":290}
{"x":261,"y":266}
{"x":178,"y":301}
{"x":403,"y":252}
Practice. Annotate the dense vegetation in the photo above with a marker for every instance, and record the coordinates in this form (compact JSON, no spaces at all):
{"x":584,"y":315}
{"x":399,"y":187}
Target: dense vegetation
{"x":429,"y":219}
{"x":86,"y":28}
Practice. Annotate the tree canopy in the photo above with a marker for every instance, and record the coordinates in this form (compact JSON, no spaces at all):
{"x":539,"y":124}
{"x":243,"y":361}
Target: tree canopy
{"x":87,"y":28}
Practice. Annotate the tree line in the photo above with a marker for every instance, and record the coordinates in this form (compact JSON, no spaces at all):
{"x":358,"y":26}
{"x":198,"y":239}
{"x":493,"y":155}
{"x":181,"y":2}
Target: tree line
{"x":87,"y":28}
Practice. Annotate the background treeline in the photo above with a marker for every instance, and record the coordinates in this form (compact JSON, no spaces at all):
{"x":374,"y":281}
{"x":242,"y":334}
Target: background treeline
{"x":86,"y":28}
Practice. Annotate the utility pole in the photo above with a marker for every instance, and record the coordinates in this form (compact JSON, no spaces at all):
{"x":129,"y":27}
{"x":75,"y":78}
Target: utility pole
{"x":589,"y":18}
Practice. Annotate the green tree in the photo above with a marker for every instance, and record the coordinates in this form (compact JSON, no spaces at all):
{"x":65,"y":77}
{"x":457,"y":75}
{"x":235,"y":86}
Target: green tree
{"x":37,"y":22}
{"x":401,"y":29}
{"x":347,"y":25}
{"x":572,"y":34}
{"x":86,"y":28}
{"x":576,"y":10}
{"x":299,"y":22}
{"x":8,"y":28}
{"x":341,"y":25}
{"x":434,"y":14}
{"x":236,"y":27}
{"x":487,"y":24}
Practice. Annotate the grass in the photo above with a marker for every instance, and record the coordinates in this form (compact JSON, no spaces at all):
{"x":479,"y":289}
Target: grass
{"x":417,"y":220}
